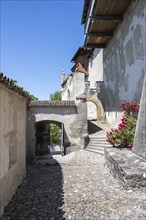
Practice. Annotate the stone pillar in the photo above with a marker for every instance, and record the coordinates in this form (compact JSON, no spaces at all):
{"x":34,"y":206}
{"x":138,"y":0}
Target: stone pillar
{"x":81,"y":124}
{"x":139,"y":146}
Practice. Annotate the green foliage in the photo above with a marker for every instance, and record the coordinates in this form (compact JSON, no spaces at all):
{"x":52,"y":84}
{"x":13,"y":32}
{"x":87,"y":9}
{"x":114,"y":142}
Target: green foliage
{"x":32,"y":97}
{"x":54,"y":134}
{"x":14,"y":81}
{"x":124,"y":135}
{"x":56,"y":96}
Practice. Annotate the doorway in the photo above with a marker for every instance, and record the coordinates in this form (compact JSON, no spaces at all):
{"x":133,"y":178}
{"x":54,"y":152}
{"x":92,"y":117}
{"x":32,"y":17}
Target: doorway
{"x":49,"y":138}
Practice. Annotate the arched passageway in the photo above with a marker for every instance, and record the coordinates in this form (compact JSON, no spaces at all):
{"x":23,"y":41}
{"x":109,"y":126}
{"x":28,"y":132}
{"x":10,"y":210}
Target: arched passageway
{"x":91,"y":111}
{"x":97,"y":108}
{"x":49,"y":137}
{"x":72,"y":118}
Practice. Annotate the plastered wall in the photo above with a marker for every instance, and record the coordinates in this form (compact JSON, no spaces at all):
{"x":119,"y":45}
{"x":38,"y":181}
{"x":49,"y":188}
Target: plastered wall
{"x":124,"y":61}
{"x":95,"y":67}
{"x":12,"y":143}
{"x":74,"y":87}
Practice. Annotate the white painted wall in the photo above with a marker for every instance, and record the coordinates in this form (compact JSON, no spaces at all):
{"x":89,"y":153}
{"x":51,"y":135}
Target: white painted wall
{"x":12,"y":143}
{"x":68,"y":92}
{"x":74,"y":87}
{"x":124,"y":61}
{"x":96,"y":67}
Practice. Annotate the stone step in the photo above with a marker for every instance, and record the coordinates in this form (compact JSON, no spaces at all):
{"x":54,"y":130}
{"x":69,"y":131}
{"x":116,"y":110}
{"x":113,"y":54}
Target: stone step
{"x":95,"y":151}
{"x":100,"y":137}
{"x":97,"y":139}
{"x":99,"y":145}
{"x":99,"y":142}
{"x":99,"y":149}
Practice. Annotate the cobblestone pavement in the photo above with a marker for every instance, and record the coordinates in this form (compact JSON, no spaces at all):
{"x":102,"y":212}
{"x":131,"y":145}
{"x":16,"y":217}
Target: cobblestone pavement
{"x":79,"y":190}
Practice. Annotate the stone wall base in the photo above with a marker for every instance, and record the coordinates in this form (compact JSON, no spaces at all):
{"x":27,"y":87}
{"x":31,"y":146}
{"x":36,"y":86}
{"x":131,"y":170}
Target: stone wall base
{"x":129,"y":168}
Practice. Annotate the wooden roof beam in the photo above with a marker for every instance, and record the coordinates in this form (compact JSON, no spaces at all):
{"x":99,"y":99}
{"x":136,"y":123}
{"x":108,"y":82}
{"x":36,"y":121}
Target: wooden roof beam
{"x":107,"y":18}
{"x":95,"y":46}
{"x":99,"y":34}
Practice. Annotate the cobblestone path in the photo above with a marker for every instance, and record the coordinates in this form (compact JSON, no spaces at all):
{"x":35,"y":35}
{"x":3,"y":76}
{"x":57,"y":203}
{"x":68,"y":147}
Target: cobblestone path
{"x":79,"y":190}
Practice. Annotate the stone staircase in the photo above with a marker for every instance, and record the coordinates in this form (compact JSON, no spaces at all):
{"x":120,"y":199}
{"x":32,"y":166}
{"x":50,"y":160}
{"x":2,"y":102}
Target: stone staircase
{"x":97,"y":137}
{"x":97,"y":144}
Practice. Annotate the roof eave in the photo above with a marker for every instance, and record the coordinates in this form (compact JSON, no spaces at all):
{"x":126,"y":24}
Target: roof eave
{"x":85,"y":10}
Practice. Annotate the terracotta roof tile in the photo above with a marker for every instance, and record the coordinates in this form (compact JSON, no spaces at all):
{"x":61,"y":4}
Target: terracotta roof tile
{"x":56,"y":104}
{"x":9,"y":83}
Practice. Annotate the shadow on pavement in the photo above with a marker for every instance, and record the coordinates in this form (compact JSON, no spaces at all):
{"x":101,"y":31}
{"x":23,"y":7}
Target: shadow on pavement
{"x":40,"y":195}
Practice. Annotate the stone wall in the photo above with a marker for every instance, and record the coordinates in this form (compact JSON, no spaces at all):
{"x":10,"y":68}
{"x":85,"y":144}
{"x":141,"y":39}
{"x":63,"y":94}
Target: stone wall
{"x":74,"y":120}
{"x":124,"y":61}
{"x":127,"y":166}
{"x":12,"y":143}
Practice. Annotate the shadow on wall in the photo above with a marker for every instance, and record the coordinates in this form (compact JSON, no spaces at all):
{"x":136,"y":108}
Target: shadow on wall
{"x":40,"y":195}
{"x":66,"y":142}
{"x":93,"y":128}
{"x":120,"y":89}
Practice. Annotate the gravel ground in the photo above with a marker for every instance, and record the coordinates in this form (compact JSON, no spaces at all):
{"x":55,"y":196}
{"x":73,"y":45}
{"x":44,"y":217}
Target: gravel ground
{"x":80,"y":189}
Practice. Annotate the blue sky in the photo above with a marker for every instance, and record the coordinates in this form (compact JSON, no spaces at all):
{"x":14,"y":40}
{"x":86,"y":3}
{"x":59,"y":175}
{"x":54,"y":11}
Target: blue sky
{"x":38,"y":39}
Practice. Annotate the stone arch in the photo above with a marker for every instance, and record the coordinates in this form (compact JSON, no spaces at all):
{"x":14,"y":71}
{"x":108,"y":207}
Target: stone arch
{"x":49,"y":117}
{"x":42,"y":134}
{"x":100,"y":110}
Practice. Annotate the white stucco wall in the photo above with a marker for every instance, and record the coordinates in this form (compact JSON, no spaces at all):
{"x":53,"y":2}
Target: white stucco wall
{"x":124,"y":61}
{"x":68,"y":92}
{"x":75,"y":86}
{"x":96,"y":67}
{"x":12,"y":143}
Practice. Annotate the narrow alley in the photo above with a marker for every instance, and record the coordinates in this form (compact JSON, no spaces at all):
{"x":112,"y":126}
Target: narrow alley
{"x":78,"y":187}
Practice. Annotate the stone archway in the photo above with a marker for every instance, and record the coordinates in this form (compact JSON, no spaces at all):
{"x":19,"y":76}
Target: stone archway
{"x":71,"y":115}
{"x":47,"y":143}
{"x":100,"y":110}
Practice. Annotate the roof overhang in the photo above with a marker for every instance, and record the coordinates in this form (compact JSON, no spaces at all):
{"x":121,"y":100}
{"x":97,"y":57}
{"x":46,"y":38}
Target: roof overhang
{"x":101,"y":22}
{"x":85,"y":11}
{"x":81,"y":51}
{"x":56,"y":104}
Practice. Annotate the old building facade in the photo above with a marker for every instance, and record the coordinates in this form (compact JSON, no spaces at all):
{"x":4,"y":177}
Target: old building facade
{"x":108,"y":70}
{"x":115,"y":35}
